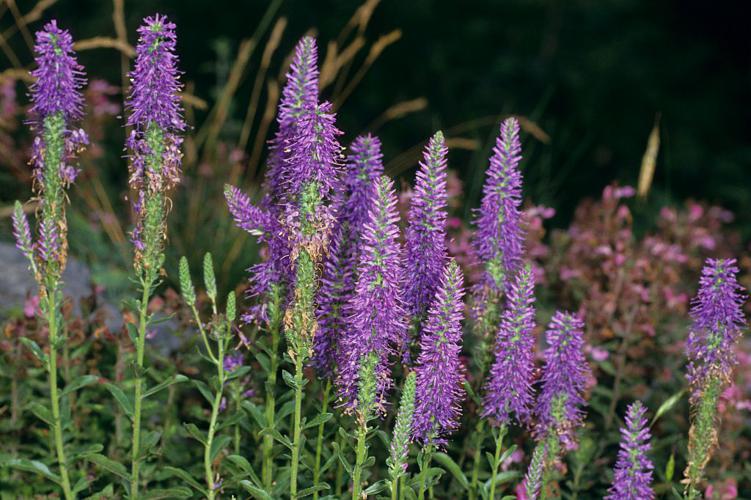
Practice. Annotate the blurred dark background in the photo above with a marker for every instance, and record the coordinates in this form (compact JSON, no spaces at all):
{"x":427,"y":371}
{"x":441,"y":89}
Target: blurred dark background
{"x":591,"y":75}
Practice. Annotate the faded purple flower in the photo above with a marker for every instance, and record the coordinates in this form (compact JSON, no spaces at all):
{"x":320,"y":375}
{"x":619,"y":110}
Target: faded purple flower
{"x":22,"y":231}
{"x":509,"y":386}
{"x":559,"y":405}
{"x":440,"y":374}
{"x":426,"y":233}
{"x":59,"y":77}
{"x":499,"y":239}
{"x":718,"y":322}
{"x":363,"y":168}
{"x":632,"y":476}
{"x":376,"y":315}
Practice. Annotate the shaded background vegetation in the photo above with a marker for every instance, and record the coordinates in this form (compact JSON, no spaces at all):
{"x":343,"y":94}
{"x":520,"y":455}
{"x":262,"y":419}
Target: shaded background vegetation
{"x":592,"y":75}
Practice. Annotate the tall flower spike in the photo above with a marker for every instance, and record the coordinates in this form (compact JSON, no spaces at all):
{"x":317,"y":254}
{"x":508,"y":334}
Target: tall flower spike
{"x":426,"y":233}
{"x":632,"y":476}
{"x":59,"y":77}
{"x":155,"y":140}
{"x":499,"y":238}
{"x":509,"y":386}
{"x":559,"y":405}
{"x":312,"y":172}
{"x":300,"y":93}
{"x":362,"y":169}
{"x":376,"y":312}
{"x":718,"y":321}
{"x":440,"y":374}
{"x":56,"y":103}
{"x":399,"y":448}
{"x":335,"y":291}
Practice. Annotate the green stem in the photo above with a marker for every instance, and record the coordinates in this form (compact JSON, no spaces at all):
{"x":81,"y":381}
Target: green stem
{"x":702,"y":437}
{"x":57,"y":425}
{"x":268,"y":439}
{"x":394,"y":488}
{"x":426,"y":459}
{"x":496,"y":460}
{"x":480,"y":434}
{"x":140,"y":347}
{"x":402,"y":487}
{"x":361,"y":455}
{"x":238,"y":407}
{"x":212,"y":423}
{"x":319,"y":441}
{"x":339,"y":481}
{"x":297,"y":428}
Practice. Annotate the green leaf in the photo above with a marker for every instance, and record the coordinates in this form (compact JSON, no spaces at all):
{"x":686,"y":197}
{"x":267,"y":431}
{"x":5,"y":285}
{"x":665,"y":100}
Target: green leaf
{"x":289,"y":379}
{"x":76,"y":384}
{"x":176,"y":492}
{"x":219,"y":443}
{"x":668,"y":405}
{"x":322,"y":418}
{"x":177,"y":379}
{"x":670,"y":468}
{"x":149,"y":439}
{"x":31,"y":466}
{"x":104,"y":494}
{"x":179,"y":473}
{"x":132,"y":331}
{"x":240,"y":372}
{"x":504,"y":477}
{"x":376,"y":487}
{"x":194,"y":432}
{"x":40,"y":411}
{"x":80,"y":485}
{"x":124,"y":401}
{"x":448,"y":463}
{"x":204,"y":390}
{"x":241,"y":463}
{"x":254,"y":491}
{"x":85,"y":451}
{"x":109,"y":465}
{"x":255,"y":412}
{"x":309,"y":491}
{"x":35,"y":349}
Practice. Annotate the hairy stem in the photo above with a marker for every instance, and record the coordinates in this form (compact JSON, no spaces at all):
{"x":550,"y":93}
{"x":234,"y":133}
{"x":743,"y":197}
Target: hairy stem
{"x":212,"y":423}
{"x":297,"y":428}
{"x":480,"y":437}
{"x":57,"y":424}
{"x":426,"y":459}
{"x":140,"y":347}
{"x":319,"y":441}
{"x":268,"y":439}
{"x":360,"y":456}
{"x":496,"y":460}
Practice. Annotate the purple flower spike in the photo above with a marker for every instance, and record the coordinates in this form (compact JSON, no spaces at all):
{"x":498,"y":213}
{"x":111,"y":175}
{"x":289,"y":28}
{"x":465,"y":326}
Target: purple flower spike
{"x":440,"y":374}
{"x":155,"y":94}
{"x":363,"y":168}
{"x":59,"y":77}
{"x":300,"y":93}
{"x":260,"y":223}
{"x":301,"y":90}
{"x":564,"y":379}
{"x":335,"y":292}
{"x":315,"y":152}
{"x":499,"y":239}
{"x":632,"y":476}
{"x":509,"y":387}
{"x":426,"y":234}
{"x":718,"y":321}
{"x":376,"y":312}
